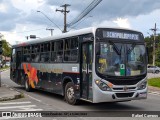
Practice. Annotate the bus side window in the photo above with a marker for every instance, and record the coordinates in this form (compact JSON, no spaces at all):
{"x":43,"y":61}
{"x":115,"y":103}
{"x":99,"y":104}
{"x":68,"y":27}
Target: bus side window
{"x":59,"y":55}
{"x":26,"y":53}
{"x":67,"y":43}
{"x":53,"y":53}
{"x":71,"y":50}
{"x":42,"y":48}
{"x":74,"y":49}
{"x":45,"y":52}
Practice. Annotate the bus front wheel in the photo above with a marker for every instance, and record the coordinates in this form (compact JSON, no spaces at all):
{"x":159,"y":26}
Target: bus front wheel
{"x":27,"y":86}
{"x":70,"y":94}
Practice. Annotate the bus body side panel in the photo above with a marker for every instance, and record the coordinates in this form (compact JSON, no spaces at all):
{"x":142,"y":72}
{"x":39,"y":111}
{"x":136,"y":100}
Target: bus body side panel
{"x":51,"y":77}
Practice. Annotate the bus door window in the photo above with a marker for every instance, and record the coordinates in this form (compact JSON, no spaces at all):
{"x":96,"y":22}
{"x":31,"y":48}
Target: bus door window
{"x":13,"y":57}
{"x":84,"y":71}
{"x":13,"y":61}
{"x":84,"y":63}
{"x":87,"y":59}
{"x":90,"y":61}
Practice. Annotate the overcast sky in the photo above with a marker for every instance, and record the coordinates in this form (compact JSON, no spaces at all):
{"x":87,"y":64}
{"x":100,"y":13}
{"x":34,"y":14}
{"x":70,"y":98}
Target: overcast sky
{"x":19,"y":18}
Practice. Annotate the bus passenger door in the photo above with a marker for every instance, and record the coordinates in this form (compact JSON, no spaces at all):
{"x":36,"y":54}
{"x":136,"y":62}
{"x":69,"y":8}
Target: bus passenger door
{"x":18,"y":65}
{"x":86,"y":70}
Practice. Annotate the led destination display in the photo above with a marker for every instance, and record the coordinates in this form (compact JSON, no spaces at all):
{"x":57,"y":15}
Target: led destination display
{"x":120,"y":35}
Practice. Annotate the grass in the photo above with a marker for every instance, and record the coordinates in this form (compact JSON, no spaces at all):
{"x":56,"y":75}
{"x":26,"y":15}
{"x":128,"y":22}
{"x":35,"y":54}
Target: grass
{"x":154,"y":82}
{"x":4,"y":68}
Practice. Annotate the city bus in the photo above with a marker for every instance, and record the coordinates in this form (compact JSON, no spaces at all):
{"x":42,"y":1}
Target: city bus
{"x":92,"y":64}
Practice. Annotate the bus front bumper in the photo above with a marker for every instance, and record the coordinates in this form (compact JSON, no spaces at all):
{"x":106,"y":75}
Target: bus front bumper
{"x":113,"y":96}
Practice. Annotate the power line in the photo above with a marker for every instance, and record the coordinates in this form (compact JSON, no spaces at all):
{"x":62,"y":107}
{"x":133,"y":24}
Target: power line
{"x":76,"y":24}
{"x":89,"y":8}
{"x":50,"y":20}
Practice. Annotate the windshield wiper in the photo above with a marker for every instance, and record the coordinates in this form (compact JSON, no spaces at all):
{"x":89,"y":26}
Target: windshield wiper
{"x":115,"y":48}
{"x":131,"y":48}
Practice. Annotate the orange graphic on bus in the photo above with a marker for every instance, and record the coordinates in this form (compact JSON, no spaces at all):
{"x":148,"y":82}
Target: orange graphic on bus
{"x":32,"y":74}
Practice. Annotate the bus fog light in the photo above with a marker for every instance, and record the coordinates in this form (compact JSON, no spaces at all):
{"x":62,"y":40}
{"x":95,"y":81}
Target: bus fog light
{"x":142,"y":85}
{"x":103,"y":86}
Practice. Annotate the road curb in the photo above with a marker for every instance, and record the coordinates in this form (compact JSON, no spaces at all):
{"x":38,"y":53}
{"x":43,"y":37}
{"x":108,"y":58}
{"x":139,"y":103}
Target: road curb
{"x":14,"y":94}
{"x":18,"y":96}
{"x":154,"y":90}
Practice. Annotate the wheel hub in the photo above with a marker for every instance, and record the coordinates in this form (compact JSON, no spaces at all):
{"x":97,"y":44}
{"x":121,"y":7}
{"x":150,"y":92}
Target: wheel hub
{"x":70,"y":93}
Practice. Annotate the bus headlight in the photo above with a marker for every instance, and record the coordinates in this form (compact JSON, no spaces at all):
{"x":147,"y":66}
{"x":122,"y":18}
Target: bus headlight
{"x":142,"y":85}
{"x":103,"y":86}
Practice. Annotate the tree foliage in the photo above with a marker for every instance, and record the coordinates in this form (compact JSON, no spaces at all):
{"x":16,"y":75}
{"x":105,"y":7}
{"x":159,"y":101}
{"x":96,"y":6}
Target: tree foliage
{"x":5,"y":46}
{"x":149,"y":44}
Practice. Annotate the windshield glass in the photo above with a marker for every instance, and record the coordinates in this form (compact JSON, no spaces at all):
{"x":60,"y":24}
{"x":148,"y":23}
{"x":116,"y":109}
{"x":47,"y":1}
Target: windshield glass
{"x":136,"y":60}
{"x":112,"y":56}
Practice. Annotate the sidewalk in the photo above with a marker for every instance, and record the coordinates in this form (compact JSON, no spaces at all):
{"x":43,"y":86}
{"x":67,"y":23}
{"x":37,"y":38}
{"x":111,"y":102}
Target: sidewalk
{"x":153,"y":89}
{"x":7,"y":93}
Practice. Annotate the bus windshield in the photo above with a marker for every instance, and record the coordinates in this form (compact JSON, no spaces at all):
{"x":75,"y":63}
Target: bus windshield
{"x":118,"y":59}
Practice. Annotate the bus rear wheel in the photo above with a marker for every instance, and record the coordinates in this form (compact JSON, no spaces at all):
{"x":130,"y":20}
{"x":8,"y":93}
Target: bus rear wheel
{"x":70,"y":94}
{"x":27,"y":86}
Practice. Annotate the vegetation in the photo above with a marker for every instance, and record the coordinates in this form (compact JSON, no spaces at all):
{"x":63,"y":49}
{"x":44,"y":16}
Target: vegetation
{"x":149,"y":44}
{"x":6,"y":67}
{"x":154,"y":82}
{"x":6,"y":47}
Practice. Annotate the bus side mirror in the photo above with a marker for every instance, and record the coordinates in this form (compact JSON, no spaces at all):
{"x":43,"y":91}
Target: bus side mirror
{"x":147,"y":52}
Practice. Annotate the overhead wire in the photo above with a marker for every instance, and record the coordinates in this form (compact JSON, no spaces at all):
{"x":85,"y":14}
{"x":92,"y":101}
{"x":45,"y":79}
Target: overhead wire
{"x":89,"y":8}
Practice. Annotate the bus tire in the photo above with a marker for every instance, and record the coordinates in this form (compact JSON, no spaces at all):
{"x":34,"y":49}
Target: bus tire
{"x":69,"y":94}
{"x":27,"y":86}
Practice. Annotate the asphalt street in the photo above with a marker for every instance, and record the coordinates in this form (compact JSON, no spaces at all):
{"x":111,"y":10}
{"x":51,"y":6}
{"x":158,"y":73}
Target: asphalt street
{"x":44,"y":101}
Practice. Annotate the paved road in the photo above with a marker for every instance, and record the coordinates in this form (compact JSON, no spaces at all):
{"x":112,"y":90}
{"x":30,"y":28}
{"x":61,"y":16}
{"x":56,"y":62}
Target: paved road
{"x":39,"y":100}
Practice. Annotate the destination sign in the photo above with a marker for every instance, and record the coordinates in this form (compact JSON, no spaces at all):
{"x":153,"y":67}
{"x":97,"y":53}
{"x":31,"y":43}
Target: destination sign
{"x":120,"y":35}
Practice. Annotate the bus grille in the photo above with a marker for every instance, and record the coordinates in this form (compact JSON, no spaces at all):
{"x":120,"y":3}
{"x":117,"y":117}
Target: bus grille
{"x":124,"y":81}
{"x":122,"y":95}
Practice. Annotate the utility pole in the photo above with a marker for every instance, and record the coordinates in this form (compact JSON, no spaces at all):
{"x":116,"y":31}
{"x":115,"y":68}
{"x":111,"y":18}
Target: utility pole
{"x":50,"y":30}
{"x":154,"y":51}
{"x":65,"y":15}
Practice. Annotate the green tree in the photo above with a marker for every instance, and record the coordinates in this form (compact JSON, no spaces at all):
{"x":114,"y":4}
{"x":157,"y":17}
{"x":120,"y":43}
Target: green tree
{"x":149,"y":44}
{"x":6,"y":47}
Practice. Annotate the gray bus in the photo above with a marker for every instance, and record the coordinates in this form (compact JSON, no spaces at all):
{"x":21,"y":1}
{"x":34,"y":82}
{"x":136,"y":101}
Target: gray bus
{"x":92,"y":64}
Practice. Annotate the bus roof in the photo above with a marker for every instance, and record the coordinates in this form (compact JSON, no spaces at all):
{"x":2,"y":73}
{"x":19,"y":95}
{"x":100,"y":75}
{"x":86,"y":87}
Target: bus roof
{"x":64,"y":35}
{"x":55,"y":37}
